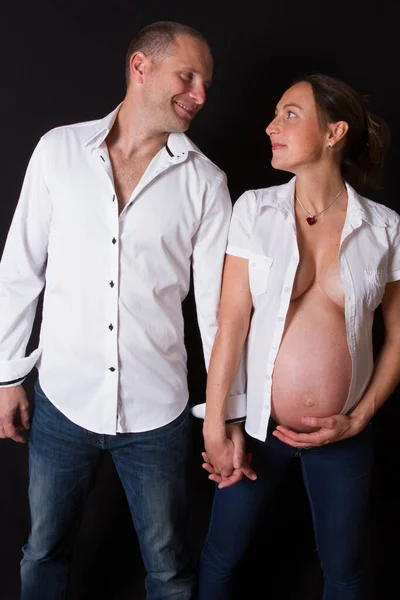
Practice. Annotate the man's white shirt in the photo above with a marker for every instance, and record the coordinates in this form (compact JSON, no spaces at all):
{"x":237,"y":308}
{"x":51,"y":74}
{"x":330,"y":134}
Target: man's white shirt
{"x":111,"y":353}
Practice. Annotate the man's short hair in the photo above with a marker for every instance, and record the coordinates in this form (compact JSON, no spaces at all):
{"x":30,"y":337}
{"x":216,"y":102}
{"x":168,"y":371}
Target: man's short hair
{"x":156,"y":39}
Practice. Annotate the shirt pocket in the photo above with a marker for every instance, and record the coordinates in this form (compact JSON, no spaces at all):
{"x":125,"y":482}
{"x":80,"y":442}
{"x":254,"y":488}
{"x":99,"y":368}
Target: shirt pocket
{"x":259,"y":269}
{"x":375,"y":287}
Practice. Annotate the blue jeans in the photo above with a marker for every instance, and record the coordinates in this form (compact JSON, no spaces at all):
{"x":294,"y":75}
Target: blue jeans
{"x":337,"y":481}
{"x":153,"y":468}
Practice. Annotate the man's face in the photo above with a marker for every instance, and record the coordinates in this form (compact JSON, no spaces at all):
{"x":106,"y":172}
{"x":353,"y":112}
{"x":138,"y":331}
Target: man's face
{"x":176,"y":86}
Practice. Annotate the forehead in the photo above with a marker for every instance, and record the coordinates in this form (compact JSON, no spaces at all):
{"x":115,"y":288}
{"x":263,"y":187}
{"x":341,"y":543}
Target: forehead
{"x":300,"y":94}
{"x":187,"y":51}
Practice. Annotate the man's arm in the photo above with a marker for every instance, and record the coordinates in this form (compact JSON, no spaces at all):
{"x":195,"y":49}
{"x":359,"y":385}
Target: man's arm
{"x":209,"y":245}
{"x":22,"y":275}
{"x":208,"y":261}
{"x":385,"y":378}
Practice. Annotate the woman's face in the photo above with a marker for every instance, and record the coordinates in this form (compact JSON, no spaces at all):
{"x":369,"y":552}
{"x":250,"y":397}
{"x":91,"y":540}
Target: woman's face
{"x":297,"y":139}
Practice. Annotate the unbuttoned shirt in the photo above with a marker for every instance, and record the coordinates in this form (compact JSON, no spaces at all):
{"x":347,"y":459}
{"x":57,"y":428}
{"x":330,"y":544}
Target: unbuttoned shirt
{"x":111,"y":353}
{"x":263,"y":230}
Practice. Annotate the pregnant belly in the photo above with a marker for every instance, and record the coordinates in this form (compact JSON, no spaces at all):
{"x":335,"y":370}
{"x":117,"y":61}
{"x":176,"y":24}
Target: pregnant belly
{"x":312,"y":371}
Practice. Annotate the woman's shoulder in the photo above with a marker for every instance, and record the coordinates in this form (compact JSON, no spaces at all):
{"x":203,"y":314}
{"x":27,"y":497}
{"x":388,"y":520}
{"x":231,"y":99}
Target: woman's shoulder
{"x":377,"y":213}
{"x":252,"y":199}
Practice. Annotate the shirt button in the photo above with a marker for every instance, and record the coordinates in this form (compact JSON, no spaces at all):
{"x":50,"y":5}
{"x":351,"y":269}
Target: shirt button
{"x":112,"y":369}
{"x":111,"y":327}
{"x":268,"y":377}
{"x":114,"y":241}
{"x":112,"y":284}
{"x":287,"y":289}
{"x":280,"y":319}
{"x":274,"y":347}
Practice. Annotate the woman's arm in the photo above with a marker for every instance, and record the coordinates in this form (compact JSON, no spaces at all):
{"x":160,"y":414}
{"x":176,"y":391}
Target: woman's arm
{"x":385,"y":378}
{"x":233,"y":325}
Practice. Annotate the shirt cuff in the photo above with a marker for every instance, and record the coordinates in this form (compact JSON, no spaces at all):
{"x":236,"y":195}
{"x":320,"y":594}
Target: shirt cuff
{"x":13,"y":372}
{"x":235,"y":410}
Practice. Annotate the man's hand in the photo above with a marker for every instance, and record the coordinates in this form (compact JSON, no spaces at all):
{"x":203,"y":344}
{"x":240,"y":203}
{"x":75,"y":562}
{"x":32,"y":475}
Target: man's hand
{"x":227,"y":464}
{"x":330,"y":429}
{"x":14,"y":413}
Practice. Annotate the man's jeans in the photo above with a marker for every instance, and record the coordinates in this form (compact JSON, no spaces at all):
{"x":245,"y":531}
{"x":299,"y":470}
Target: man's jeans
{"x":337,"y":480}
{"x":153,"y":469}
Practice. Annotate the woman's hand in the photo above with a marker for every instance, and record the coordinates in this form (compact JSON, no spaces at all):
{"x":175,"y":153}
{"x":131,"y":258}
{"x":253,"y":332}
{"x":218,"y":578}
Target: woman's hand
{"x":330,"y":429}
{"x":225,"y":458}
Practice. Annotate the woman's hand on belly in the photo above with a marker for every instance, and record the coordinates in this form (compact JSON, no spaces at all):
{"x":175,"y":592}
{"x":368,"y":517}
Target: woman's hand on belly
{"x":329,"y":430}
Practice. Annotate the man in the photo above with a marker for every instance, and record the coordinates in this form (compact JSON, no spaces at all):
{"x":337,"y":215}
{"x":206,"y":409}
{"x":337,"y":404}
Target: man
{"x":111,"y":217}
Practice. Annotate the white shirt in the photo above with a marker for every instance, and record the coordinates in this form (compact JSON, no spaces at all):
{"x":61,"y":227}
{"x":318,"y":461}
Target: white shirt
{"x":111,"y":353}
{"x":263,"y":230}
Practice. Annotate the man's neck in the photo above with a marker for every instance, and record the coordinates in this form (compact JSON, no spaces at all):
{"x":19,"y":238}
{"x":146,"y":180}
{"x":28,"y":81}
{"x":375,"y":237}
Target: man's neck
{"x":131,"y":135}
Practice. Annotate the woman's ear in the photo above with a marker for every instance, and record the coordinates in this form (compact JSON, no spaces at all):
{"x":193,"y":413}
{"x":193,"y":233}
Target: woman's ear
{"x":336,"y":133}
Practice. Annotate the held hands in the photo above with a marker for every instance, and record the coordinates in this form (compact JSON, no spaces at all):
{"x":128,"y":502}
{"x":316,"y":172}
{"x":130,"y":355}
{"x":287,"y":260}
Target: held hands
{"x":225,"y":458}
{"x":330,"y":429}
{"x":14,"y":413}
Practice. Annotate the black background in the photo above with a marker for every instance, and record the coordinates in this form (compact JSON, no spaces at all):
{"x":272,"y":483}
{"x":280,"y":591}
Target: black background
{"x":63,"y":62}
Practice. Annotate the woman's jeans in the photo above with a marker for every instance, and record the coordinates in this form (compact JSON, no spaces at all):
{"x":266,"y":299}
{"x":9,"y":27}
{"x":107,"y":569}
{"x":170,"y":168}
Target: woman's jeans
{"x":153,"y":469}
{"x":337,"y":480}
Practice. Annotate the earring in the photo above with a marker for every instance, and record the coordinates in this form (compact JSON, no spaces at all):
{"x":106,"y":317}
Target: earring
{"x":329,"y":144}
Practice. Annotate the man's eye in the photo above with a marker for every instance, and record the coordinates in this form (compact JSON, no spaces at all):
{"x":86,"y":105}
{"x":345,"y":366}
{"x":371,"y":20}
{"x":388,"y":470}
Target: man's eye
{"x":187,"y":76}
{"x":291,"y":114}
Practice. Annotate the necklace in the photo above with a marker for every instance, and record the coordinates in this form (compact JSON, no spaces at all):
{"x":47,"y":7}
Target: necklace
{"x":312,"y":219}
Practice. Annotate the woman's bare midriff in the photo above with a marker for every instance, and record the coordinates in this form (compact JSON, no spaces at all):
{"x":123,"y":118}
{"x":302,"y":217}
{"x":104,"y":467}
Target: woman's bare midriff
{"x":312,"y":371}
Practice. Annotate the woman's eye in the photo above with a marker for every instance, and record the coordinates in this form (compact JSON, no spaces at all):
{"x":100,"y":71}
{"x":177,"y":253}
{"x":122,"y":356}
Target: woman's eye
{"x":291,"y":114}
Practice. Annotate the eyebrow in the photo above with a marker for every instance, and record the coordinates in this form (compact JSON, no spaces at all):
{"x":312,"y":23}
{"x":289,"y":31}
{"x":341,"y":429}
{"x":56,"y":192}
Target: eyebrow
{"x":289,"y":105}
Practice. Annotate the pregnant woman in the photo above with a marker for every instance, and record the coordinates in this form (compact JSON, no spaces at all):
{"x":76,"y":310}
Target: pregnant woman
{"x":307,"y":264}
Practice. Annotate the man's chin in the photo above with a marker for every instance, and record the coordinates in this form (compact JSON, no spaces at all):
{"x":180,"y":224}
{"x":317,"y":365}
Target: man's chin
{"x":181,"y":127}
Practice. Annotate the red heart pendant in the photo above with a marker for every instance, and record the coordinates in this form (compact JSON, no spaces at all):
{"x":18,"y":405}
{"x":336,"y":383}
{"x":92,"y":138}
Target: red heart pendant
{"x":311,"y":220}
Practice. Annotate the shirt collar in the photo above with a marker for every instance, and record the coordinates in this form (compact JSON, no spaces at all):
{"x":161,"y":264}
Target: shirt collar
{"x":359,"y":208}
{"x":99,"y":130}
{"x":282,"y":198}
{"x":362,"y":209}
{"x":177,"y":147}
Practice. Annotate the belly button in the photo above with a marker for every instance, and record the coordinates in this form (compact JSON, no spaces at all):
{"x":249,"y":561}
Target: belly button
{"x":309,"y":402}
